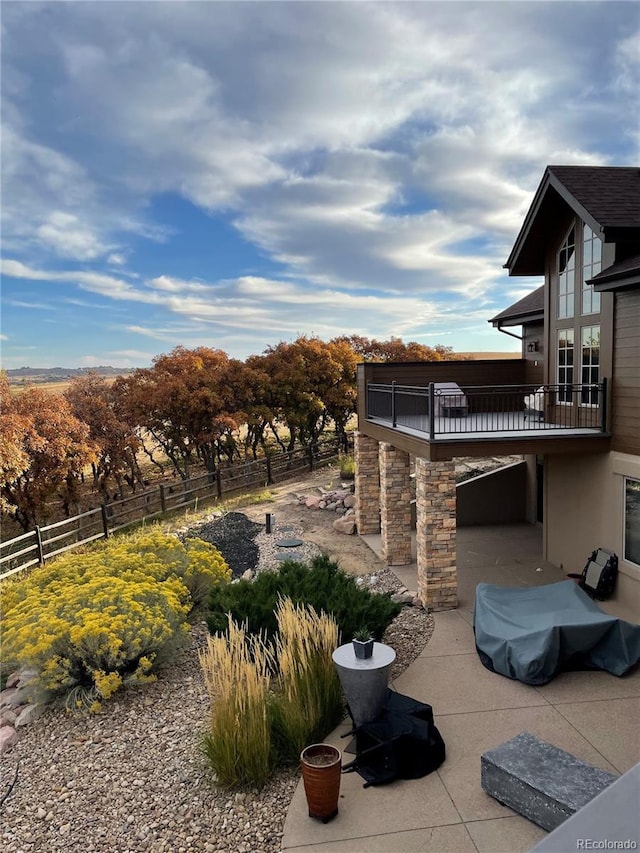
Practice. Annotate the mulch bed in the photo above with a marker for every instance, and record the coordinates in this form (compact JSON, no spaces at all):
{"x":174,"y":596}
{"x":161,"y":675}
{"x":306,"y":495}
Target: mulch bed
{"x":233,"y":535}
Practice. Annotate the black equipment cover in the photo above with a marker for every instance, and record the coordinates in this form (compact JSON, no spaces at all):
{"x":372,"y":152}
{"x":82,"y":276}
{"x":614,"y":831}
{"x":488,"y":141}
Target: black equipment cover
{"x":401,"y":743}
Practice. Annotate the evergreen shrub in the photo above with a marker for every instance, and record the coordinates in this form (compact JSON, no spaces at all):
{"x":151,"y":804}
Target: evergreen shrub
{"x":322,"y":584}
{"x":90,"y":622}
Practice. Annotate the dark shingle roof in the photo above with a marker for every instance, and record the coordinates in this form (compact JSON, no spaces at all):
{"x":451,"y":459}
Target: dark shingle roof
{"x":611,"y":194}
{"x":621,"y":274}
{"x":528,"y":308}
{"x":607,"y":198}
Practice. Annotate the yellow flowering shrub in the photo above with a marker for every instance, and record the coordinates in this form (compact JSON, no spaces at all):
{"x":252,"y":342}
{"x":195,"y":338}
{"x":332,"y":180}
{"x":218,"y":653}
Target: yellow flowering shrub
{"x":90,"y":622}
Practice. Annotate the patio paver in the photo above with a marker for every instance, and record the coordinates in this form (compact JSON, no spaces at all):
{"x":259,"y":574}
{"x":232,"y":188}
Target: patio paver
{"x":592,"y":715}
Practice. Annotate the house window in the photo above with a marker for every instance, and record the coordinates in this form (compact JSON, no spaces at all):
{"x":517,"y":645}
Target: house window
{"x":567,"y":275}
{"x":591,"y":266}
{"x":590,"y":364}
{"x":632,"y":520}
{"x":565,"y":365}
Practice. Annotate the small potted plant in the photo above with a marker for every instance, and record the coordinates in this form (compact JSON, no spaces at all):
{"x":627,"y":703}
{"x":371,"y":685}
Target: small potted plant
{"x":363,"y":643}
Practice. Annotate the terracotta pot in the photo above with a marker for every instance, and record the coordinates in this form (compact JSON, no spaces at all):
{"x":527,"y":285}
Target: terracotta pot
{"x":321,"y":768}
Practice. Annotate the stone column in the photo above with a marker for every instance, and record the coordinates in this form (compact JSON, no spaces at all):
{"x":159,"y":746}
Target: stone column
{"x":367,"y":506}
{"x":395,"y":505}
{"x":436,"y":534}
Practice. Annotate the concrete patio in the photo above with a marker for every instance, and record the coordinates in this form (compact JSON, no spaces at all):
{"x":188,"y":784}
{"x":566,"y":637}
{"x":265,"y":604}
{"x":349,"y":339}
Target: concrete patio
{"x":593,"y":715}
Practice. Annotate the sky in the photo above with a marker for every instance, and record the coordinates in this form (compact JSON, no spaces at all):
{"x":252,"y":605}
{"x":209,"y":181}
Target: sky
{"x":236,"y":174}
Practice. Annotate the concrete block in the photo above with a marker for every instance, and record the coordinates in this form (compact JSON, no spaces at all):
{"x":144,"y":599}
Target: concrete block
{"x":539,"y":781}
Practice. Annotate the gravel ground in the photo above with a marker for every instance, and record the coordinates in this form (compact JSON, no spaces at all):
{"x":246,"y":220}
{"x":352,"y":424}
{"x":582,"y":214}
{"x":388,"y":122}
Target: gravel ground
{"x":133,"y":777}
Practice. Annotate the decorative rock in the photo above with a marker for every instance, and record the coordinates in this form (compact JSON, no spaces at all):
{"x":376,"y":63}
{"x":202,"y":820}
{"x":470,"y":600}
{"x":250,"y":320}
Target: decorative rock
{"x":539,"y":781}
{"x":350,"y":501}
{"x":312,"y":502}
{"x":248,"y":575}
{"x":10,"y":698}
{"x":13,"y":679}
{"x":417,"y":602}
{"x":403,"y":597}
{"x":7,"y":717}
{"x":345,"y":525}
{"x":8,"y":739}
{"x":27,"y":714}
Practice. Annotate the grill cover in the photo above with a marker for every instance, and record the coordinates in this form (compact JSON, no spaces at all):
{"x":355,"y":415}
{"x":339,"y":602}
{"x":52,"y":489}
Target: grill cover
{"x":532,"y":633}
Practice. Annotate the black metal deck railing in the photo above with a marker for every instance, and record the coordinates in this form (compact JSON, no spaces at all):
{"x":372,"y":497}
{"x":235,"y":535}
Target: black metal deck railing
{"x":442,"y":410}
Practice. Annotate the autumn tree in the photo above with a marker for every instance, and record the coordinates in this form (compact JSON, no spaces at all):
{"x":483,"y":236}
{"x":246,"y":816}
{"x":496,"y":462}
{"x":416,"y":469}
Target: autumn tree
{"x":94,"y":401}
{"x":43,"y":452}
{"x":303,"y":376}
{"x":395,"y":349}
{"x":185,"y":401}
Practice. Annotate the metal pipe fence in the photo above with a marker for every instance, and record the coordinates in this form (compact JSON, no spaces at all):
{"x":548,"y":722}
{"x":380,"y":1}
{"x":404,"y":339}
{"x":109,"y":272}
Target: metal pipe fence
{"x":443,"y":410}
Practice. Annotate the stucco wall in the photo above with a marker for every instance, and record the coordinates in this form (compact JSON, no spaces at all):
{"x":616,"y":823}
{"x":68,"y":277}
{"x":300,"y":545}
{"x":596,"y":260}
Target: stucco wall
{"x":584,"y":509}
{"x":498,"y":497}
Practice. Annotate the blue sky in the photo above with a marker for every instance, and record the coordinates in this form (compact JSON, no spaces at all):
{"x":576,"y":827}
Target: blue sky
{"x":237,"y":174}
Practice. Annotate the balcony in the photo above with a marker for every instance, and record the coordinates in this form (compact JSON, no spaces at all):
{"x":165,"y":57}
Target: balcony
{"x":446,"y":416}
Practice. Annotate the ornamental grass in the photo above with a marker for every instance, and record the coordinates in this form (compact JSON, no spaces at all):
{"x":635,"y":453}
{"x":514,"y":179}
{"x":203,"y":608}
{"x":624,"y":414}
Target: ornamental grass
{"x":308,"y":702}
{"x":237,"y":675}
{"x":268,"y":701}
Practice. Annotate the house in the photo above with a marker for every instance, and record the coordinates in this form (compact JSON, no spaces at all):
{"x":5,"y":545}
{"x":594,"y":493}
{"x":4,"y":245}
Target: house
{"x":580,"y":363}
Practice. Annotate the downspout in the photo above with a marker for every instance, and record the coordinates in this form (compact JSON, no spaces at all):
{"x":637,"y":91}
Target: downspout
{"x":511,"y":335}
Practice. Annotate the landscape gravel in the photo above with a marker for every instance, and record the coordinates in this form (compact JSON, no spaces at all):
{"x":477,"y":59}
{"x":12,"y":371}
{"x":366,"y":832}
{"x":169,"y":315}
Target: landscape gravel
{"x":133,"y":778}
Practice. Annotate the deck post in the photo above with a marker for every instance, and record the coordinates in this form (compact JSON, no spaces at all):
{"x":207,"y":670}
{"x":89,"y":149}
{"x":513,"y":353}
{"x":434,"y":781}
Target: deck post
{"x":432,"y":411}
{"x":367,"y":506}
{"x":436,"y":534}
{"x":395,"y":505}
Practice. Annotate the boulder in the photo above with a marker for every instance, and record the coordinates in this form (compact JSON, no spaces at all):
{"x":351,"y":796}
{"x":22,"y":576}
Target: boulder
{"x":28,"y":714}
{"x":402,"y":597}
{"x":13,"y":679}
{"x":312,"y":502}
{"x":10,"y":698}
{"x":8,"y":738}
{"x":350,"y":500}
{"x":248,"y":575}
{"x":345,"y":525}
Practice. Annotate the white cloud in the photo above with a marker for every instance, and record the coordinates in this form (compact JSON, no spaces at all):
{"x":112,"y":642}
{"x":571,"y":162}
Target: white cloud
{"x":68,"y":238}
{"x":383,"y":155}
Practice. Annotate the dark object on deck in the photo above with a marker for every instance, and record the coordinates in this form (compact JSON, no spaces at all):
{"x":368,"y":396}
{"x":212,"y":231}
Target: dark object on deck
{"x":539,"y":781}
{"x":532,"y":633}
{"x":598,"y":578}
{"x":401,"y":743}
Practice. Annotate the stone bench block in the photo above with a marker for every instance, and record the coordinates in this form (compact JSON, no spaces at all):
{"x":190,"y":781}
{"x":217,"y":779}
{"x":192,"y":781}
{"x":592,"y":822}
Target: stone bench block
{"x":539,"y":781}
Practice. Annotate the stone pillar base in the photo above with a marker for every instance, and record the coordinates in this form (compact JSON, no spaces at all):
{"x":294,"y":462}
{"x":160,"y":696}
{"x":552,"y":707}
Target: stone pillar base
{"x":436,"y":534}
{"x":395,"y":505}
{"x":367,"y":506}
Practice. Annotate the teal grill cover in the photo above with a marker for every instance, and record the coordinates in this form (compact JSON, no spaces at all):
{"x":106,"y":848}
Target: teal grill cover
{"x":532,"y":633}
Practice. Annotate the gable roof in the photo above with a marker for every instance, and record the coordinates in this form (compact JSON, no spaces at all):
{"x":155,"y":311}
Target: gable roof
{"x":526,"y":310}
{"x":607,"y":198}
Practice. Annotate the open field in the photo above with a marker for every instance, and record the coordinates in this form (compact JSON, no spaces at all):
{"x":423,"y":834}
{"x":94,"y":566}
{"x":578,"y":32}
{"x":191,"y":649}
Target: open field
{"x":481,"y":356}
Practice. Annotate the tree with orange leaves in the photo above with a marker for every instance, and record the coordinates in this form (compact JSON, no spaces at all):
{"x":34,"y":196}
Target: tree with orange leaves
{"x":94,"y":401}
{"x":187,"y":402}
{"x":43,"y":451}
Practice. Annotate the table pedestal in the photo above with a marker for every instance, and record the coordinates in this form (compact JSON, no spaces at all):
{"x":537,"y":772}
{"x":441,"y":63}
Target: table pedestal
{"x":364,"y":682}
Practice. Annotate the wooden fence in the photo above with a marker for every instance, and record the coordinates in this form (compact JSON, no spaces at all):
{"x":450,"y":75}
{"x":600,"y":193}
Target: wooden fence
{"x":43,"y":543}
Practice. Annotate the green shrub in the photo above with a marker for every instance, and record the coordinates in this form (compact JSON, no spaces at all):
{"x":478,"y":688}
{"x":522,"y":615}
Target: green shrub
{"x":347,"y":465}
{"x":90,"y":622}
{"x":321,"y":584}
